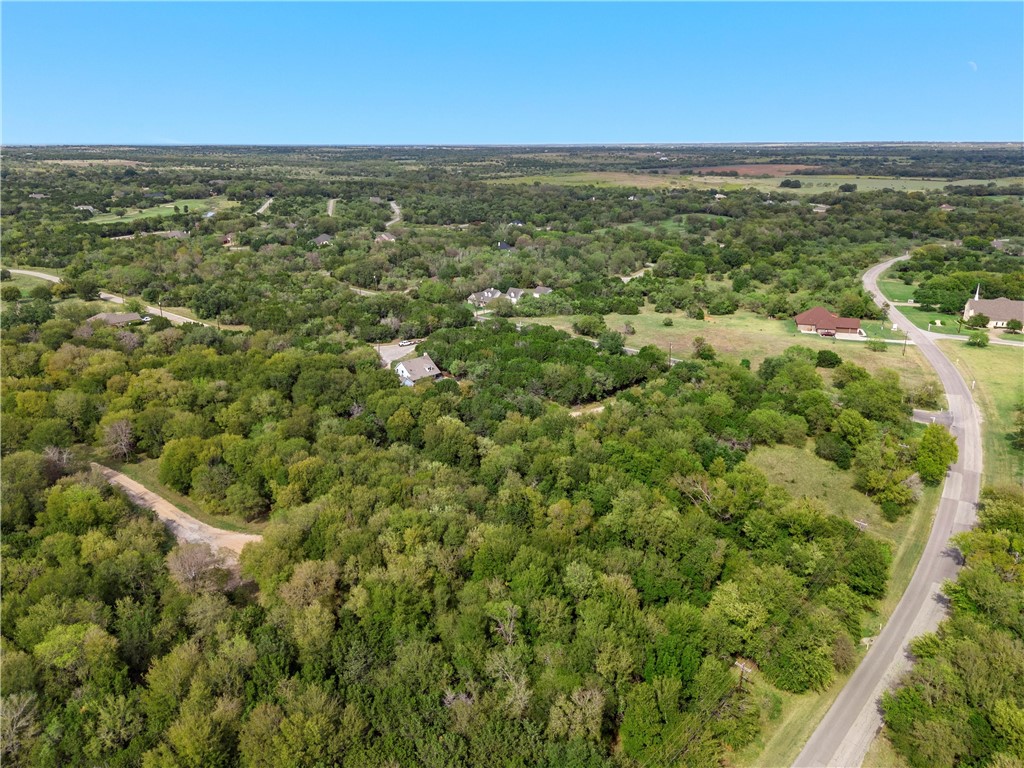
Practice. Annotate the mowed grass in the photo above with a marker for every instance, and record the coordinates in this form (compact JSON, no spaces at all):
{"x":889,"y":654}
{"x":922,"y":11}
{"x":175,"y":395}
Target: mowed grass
{"x":202,"y":205}
{"x":896,"y":290}
{"x":24,"y":283}
{"x":999,"y":392}
{"x":922,"y":318}
{"x":745,"y":335}
{"x":804,"y":474}
{"x":882,"y":754}
{"x":147,"y":473}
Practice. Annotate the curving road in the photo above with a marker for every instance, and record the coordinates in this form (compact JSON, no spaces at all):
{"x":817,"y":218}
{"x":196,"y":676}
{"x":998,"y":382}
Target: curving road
{"x":397,"y":217}
{"x":174,"y":318}
{"x":184,"y":527}
{"x":846,"y":732}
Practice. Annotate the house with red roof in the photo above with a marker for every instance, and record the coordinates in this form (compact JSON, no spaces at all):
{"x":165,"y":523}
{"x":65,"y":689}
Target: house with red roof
{"x":822,"y":322}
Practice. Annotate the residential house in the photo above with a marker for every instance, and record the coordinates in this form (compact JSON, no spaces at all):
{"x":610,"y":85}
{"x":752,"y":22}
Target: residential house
{"x":417,"y":369}
{"x":998,"y":311}
{"x":485,"y":297}
{"x":822,"y":322}
{"x":116,"y":319}
{"x":38,"y":196}
{"x":503,"y":246}
{"x":719,"y":196}
{"x":322,"y":240}
{"x":820,"y":208}
{"x":384,"y":237}
{"x":88,"y":208}
{"x":516,"y":223}
{"x":173,"y":234}
{"x":946,"y":207}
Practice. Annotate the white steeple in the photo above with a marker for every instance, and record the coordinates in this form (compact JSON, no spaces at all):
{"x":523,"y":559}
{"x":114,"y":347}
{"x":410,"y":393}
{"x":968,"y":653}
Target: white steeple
{"x":977,"y":293}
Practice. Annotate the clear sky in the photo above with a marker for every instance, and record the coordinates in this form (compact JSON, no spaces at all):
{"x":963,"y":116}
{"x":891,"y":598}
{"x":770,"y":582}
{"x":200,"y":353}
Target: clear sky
{"x":425,"y":73}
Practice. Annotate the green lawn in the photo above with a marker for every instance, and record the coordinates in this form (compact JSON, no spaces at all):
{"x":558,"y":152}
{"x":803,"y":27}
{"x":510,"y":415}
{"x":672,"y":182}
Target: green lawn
{"x":804,"y":474}
{"x":999,"y":372}
{"x":745,"y":335}
{"x":921,"y":318}
{"x":146,"y":472}
{"x":166,"y":209}
{"x":896,"y":290}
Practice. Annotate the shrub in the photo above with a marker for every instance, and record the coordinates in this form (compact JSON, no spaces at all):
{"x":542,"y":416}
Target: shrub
{"x":978,"y":339}
{"x":667,"y":322}
{"x":10,"y":293}
{"x":876,"y":345}
{"x":828,"y":359}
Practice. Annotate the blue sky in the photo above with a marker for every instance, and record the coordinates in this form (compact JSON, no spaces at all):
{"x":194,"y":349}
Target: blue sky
{"x":424,"y":73}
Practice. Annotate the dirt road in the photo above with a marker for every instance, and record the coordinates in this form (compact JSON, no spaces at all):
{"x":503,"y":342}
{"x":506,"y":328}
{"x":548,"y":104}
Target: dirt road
{"x":184,"y":527}
{"x":845,"y":734}
{"x":263,"y":208}
{"x":397,"y":217}
{"x":114,"y":299}
{"x":330,"y":206}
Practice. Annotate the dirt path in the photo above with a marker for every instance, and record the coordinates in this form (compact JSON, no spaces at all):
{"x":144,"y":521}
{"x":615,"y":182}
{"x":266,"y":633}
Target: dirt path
{"x":330,"y":206}
{"x":184,"y":527}
{"x":263,"y":208}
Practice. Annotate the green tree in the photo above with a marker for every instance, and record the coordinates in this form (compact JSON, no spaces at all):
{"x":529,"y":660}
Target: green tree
{"x":936,"y":451}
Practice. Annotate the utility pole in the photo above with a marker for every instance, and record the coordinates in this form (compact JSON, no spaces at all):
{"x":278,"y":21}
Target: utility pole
{"x":906,"y":340}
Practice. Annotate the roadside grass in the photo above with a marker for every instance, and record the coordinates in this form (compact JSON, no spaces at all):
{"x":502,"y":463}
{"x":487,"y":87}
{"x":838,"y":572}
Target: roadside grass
{"x":25,"y":283}
{"x":999,"y":373}
{"x":882,"y":754}
{"x":146,"y":472}
{"x":745,"y":335}
{"x":202,"y":205}
{"x":804,"y":474}
{"x":896,"y":290}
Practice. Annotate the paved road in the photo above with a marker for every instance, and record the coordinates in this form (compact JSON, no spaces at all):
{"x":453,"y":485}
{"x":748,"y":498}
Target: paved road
{"x":846,"y":732}
{"x":397,"y":217}
{"x":330,"y":206}
{"x":182,"y":525}
{"x":263,"y":208}
{"x":114,"y":299}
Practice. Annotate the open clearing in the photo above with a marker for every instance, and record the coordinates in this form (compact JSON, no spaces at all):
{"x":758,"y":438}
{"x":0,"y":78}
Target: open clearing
{"x":999,"y":372}
{"x":202,"y":205}
{"x":810,"y":185}
{"x":896,"y":290}
{"x":745,"y":335}
{"x":756,"y":169}
{"x":804,"y":474}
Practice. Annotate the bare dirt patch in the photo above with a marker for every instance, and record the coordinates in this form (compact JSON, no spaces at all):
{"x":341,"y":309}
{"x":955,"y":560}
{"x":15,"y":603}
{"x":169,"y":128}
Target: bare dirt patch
{"x":757,"y":169}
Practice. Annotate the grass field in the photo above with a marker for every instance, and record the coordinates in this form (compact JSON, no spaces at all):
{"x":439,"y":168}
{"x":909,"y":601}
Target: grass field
{"x":922,"y":318}
{"x":882,"y":754}
{"x":999,"y":372}
{"x":810,"y":185}
{"x":166,"y":209}
{"x":745,"y":335}
{"x":804,"y":474}
{"x":147,"y":472}
{"x":896,"y":290}
{"x":25,"y":283}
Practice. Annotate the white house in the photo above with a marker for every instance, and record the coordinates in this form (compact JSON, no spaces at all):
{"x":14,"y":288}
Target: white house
{"x":417,"y":369}
{"x":998,"y":311}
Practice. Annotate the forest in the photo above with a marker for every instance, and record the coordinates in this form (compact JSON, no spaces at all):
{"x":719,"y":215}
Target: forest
{"x":558,"y":554}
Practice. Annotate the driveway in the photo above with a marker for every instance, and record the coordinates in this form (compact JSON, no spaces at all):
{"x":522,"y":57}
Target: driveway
{"x":184,"y":527}
{"x":846,"y":732}
{"x":389,"y":353}
{"x":263,"y":208}
{"x":395,"y":209}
